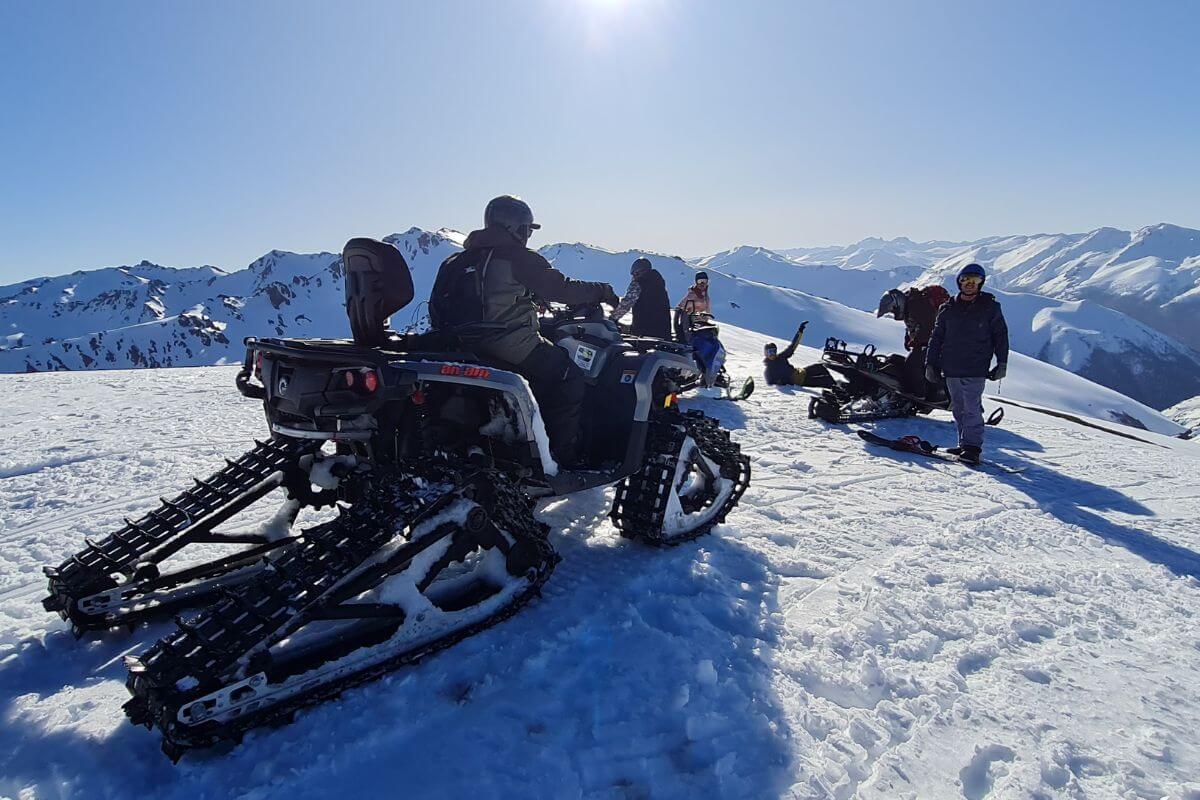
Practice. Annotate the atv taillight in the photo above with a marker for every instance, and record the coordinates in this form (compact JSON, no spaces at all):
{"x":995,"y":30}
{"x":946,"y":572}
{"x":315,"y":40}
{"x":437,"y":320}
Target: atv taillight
{"x":362,"y":380}
{"x":258,"y":365}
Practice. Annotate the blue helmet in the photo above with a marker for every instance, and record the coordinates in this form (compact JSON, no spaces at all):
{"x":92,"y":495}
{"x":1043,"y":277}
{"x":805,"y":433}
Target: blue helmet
{"x":971,"y":269}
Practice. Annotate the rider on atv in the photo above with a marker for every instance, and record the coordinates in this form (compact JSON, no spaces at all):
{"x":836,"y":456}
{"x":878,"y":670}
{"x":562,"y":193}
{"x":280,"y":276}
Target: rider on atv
{"x":486,"y":294}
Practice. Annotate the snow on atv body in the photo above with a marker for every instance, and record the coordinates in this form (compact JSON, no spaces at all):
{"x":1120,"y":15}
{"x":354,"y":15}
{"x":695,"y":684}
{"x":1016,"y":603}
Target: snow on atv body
{"x":437,"y":458}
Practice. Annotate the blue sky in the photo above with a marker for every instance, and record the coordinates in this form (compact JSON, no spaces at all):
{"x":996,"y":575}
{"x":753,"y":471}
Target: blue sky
{"x":190,"y":133}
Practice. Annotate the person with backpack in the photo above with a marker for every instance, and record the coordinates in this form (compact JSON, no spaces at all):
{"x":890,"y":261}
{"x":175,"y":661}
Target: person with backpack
{"x":917,"y":309}
{"x":647,"y":298}
{"x":485,"y":295}
{"x":968,"y":331}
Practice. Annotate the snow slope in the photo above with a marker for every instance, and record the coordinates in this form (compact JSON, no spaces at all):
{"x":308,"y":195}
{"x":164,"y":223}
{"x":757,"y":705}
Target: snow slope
{"x":1186,"y":413}
{"x":866,"y":624}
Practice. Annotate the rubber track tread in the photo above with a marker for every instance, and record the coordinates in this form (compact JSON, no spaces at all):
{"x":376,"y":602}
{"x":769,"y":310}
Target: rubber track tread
{"x":511,"y":511}
{"x":640,"y":505}
{"x":90,"y":571}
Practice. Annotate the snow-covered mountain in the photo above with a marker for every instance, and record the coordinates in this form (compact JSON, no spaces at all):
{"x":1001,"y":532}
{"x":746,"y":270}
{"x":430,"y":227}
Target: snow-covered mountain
{"x":157,"y":317}
{"x":873,"y":253}
{"x":857,"y":288}
{"x":866,"y":624}
{"x":149,"y":315}
{"x":1151,"y":274}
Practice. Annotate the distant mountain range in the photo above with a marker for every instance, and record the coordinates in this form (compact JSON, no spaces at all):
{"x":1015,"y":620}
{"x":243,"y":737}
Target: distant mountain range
{"x":149,"y":315}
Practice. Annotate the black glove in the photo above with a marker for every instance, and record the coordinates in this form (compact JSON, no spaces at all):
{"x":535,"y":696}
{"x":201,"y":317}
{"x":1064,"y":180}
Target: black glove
{"x":998,"y":372}
{"x":933,"y":374}
{"x":610,"y":297}
{"x":800,"y":330}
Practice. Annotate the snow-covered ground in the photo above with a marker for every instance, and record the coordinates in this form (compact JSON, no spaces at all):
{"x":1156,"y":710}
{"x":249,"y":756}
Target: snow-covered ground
{"x":866,"y":624}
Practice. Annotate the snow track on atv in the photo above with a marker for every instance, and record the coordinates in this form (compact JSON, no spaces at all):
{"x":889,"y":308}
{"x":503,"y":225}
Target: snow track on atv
{"x":368,"y":584}
{"x":116,"y":581}
{"x":694,"y":476}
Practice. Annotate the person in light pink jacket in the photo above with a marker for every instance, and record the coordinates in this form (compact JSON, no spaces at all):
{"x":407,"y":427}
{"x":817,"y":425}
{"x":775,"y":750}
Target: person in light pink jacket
{"x":696,"y":301}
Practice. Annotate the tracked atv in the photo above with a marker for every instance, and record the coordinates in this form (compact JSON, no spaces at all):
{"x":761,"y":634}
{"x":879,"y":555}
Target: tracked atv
{"x":429,"y":462}
{"x":872,"y":386}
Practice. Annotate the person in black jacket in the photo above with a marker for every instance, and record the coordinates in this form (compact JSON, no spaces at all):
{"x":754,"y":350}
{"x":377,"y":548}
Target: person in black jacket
{"x":778,"y":369}
{"x":968,"y":332}
{"x":495,"y":280}
{"x":647,"y":298}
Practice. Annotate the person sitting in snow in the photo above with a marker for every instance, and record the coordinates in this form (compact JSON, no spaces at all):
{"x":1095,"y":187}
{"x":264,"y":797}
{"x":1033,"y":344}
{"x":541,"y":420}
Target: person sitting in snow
{"x":968,"y":331}
{"x":778,"y":369}
{"x":647,"y":298}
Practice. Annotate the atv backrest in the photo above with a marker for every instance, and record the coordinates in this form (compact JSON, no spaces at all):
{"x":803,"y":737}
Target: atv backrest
{"x":378,"y":284}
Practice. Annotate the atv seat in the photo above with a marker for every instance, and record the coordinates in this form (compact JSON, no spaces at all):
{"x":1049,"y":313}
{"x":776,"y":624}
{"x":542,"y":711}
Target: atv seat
{"x":378,"y":284}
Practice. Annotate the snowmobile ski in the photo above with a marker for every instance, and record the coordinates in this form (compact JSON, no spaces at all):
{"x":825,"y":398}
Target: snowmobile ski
{"x":743,"y":392}
{"x":920,"y":447}
{"x":1077,"y":420}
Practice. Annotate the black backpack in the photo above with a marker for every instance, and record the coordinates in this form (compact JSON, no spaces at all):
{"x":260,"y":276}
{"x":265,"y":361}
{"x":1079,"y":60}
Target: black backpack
{"x":457,"y":296}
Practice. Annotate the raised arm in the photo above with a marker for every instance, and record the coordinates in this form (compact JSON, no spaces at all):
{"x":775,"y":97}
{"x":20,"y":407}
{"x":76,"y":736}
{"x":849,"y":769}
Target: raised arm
{"x":791,"y":348}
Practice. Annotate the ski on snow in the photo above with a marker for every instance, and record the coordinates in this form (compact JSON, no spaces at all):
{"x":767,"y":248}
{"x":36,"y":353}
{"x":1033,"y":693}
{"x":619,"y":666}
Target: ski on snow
{"x":920,"y":447}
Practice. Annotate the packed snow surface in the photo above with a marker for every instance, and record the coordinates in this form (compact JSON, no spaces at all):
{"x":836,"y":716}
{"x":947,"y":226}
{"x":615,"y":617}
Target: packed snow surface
{"x":865,"y":624}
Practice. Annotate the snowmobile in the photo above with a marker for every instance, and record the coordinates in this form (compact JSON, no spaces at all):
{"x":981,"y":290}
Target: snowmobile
{"x":428,"y":461}
{"x":700,"y":331}
{"x":872,"y":387}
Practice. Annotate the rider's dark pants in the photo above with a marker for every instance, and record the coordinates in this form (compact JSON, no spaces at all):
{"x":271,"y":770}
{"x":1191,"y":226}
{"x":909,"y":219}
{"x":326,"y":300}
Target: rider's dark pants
{"x":558,"y":387}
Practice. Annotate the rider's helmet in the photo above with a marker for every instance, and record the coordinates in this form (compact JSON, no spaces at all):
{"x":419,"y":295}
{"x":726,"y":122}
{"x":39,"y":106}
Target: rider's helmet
{"x":513,"y":215}
{"x":892,"y":303}
{"x":971,"y":270}
{"x":641,"y":265}
{"x":770,"y":349}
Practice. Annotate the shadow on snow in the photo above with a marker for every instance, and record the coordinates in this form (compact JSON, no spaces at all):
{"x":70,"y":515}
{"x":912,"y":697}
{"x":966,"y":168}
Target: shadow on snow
{"x":598,"y":689}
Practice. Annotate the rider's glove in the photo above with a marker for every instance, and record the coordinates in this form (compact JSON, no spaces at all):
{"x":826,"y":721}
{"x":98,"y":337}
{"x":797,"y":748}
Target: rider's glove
{"x":998,"y":372}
